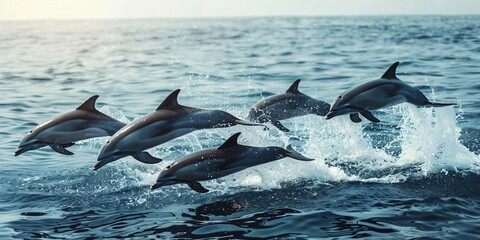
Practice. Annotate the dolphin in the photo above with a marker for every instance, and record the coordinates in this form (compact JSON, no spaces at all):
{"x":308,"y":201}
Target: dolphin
{"x":290,"y":104}
{"x":169,"y":121}
{"x":213,"y":163}
{"x":381,"y":93}
{"x":64,"y":130}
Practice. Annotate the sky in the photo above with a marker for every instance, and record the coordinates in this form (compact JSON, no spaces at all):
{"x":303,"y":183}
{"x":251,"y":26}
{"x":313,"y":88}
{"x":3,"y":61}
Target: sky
{"x":113,"y":9}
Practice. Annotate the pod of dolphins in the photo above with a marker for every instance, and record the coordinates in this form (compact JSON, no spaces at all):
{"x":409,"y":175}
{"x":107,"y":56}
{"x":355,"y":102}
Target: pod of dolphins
{"x":172,"y":120}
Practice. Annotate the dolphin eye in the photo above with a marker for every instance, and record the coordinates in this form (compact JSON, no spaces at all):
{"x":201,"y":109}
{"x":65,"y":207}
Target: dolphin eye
{"x":339,"y":96}
{"x":30,"y":131}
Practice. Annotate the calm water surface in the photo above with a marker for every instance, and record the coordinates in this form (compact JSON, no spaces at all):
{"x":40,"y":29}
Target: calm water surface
{"x":416,"y":174}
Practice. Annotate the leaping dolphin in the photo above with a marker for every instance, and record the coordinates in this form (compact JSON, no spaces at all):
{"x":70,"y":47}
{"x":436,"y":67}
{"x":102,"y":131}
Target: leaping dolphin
{"x":229,"y":158}
{"x":290,"y":104}
{"x":381,"y":93}
{"x":64,"y":130}
{"x":169,"y":121}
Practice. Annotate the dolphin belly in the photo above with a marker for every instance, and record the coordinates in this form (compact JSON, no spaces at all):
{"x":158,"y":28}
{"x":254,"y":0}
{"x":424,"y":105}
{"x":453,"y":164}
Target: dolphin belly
{"x":386,"y":102}
{"x":392,"y":101}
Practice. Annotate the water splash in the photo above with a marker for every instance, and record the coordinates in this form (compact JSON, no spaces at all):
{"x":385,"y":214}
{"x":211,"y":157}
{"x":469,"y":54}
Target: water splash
{"x":427,"y":139}
{"x":430,"y":136}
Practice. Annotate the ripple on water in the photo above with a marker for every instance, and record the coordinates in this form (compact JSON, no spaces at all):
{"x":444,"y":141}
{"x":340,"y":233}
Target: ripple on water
{"x":415,"y":174}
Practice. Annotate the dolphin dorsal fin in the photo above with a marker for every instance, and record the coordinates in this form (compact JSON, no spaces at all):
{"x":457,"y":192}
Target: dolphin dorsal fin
{"x":390,"y":73}
{"x":89,"y":105}
{"x":231,"y":142}
{"x":294,"y":87}
{"x":170,"y":102}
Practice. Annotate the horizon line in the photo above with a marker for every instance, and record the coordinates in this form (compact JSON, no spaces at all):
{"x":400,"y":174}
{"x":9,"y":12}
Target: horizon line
{"x":238,"y":17}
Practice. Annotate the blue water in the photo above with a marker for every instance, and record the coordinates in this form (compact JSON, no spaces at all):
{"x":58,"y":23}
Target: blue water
{"x":415,"y":174}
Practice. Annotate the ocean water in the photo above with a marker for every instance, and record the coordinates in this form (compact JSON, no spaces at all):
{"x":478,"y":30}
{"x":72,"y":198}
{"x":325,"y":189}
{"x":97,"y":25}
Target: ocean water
{"x":415,"y":174}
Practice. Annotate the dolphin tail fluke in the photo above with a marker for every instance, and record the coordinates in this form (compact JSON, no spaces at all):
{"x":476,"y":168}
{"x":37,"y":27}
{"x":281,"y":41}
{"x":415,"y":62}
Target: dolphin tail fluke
{"x":247,"y":123}
{"x":197,"y":187}
{"x":278,"y":125}
{"x":296,"y":155}
{"x":145,"y":157}
{"x":368,"y":115}
{"x":60,"y":148}
{"x":434,"y":104}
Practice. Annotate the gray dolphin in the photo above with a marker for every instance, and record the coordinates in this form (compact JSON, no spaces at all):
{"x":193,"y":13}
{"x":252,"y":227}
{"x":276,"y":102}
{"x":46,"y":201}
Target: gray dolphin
{"x":381,"y":93}
{"x":64,"y":130}
{"x":169,"y":121}
{"x":229,"y":158}
{"x":290,"y":104}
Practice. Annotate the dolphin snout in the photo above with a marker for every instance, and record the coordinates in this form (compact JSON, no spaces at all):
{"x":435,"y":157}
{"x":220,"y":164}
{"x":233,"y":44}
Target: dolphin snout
{"x":106,"y":157}
{"x":165,"y":182}
{"x":160,"y":184}
{"x":330,"y":114}
{"x":25,"y":147}
{"x":103,"y":159}
{"x":98,"y":165}
{"x":156,"y":185}
{"x":102,"y":162}
{"x":19,"y":151}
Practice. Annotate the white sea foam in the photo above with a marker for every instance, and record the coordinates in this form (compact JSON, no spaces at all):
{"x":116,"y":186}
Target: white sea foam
{"x":428,"y":140}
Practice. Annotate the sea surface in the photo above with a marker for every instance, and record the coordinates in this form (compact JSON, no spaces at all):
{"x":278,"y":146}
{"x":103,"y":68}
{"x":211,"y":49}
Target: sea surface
{"x":415,"y":174}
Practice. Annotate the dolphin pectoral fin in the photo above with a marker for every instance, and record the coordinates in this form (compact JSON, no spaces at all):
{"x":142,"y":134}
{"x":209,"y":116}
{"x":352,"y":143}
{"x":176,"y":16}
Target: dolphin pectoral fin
{"x":145,"y":157}
{"x":67,"y":145}
{"x":355,"y":118}
{"x":368,"y":115}
{"x":61,"y":149}
{"x":278,"y":125}
{"x":197,"y":187}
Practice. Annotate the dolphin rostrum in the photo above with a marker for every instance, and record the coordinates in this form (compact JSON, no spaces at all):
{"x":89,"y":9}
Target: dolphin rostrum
{"x":64,"y":130}
{"x":169,"y":121}
{"x":381,"y":93}
{"x":213,"y":163}
{"x":290,"y":104}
